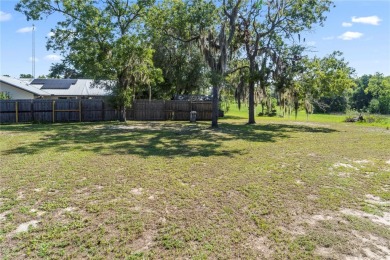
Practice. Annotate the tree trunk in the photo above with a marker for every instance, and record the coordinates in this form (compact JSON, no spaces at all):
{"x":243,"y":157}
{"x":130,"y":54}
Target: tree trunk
{"x":215,"y":112}
{"x":122,"y":114}
{"x":251,"y":119}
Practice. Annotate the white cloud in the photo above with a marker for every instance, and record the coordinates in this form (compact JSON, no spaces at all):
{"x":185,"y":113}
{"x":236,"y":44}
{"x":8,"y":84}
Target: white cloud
{"x":5,"y":16}
{"x":328,"y":38}
{"x":50,"y":34}
{"x":344,"y":24}
{"x":53,"y":57}
{"x":31,"y":59}
{"x":25,"y":30}
{"x":373,"y":20}
{"x":350,"y":36}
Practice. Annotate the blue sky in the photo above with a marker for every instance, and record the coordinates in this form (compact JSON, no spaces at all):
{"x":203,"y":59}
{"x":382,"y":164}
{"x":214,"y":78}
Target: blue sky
{"x":358,"y":28}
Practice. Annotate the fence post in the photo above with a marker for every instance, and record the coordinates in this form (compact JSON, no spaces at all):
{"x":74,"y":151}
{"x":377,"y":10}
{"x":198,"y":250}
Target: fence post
{"x":80,"y":110}
{"x":16,"y":112}
{"x":32,"y":110}
{"x":103,"y":111}
{"x":53,"y":107}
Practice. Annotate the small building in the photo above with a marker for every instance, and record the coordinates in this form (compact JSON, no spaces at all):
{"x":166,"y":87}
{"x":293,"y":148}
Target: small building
{"x":52,"y":88}
{"x":19,"y":89}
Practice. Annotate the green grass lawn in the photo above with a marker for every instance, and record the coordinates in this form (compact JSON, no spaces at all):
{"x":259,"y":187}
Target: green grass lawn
{"x":282,"y":188}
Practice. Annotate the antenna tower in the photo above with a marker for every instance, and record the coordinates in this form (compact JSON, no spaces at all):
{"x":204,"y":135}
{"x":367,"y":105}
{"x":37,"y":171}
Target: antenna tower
{"x":33,"y":51}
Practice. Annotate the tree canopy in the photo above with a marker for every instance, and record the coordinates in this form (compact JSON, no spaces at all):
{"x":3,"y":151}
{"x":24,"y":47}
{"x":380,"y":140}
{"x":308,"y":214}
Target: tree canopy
{"x":101,"y":40}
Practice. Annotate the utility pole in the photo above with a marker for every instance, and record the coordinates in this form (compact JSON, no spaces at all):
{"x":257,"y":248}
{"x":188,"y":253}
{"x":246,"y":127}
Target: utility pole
{"x":33,"y":51}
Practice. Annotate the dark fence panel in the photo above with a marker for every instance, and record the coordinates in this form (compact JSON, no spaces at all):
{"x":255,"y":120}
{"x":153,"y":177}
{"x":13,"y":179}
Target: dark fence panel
{"x":24,"y":111}
{"x":87,"y":110}
{"x":149,"y":110}
{"x":93,"y":110}
{"x":8,"y":111}
{"x":67,"y":110}
{"x":203,"y":110}
{"x":43,"y":110}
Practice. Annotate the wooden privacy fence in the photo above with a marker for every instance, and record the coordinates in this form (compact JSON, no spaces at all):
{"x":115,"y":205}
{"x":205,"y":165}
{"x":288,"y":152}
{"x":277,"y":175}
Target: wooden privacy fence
{"x":170,"y":110}
{"x":59,"y":110}
{"x":87,"y":110}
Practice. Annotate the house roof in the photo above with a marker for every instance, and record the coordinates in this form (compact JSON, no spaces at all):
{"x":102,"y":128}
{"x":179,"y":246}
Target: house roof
{"x":79,"y":87}
{"x":61,"y":87}
{"x":23,"y":85}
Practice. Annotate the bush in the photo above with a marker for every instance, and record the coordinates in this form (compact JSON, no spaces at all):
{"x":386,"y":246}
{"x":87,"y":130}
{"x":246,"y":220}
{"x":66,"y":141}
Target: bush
{"x":353,"y":116}
{"x":384,"y":104}
{"x":373,"y":107}
{"x":374,"y":119}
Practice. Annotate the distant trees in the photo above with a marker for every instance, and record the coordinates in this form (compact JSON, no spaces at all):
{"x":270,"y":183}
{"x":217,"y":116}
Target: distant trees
{"x":379,"y":88}
{"x":25,"y":76}
{"x":360,"y":98}
{"x":325,"y":79}
{"x":65,"y":70}
{"x":370,"y":94}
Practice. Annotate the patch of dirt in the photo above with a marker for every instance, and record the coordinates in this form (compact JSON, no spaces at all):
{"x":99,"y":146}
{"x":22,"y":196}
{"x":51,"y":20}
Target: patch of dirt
{"x":361,"y":161}
{"x":369,"y":247}
{"x":326,"y":252}
{"x":145,"y":242}
{"x":359,"y":245}
{"x":303,"y":223}
{"x":345,"y":165}
{"x":385,"y":219}
{"x":136,"y":191}
{"x":20,"y":195}
{"x":24,"y":227}
{"x":38,"y":212}
{"x":376,"y":200}
{"x":344,"y":174}
{"x":312,"y":197}
{"x":60,"y":213}
{"x":261,"y":245}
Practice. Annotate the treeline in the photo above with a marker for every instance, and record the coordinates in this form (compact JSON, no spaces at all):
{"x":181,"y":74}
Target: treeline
{"x":371,"y":95}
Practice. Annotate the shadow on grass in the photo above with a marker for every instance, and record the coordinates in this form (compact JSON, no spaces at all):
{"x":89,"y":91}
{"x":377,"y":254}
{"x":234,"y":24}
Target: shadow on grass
{"x":167,"y":139}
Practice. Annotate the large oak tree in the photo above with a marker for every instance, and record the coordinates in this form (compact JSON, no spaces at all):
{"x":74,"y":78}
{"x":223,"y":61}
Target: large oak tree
{"x":101,"y":39}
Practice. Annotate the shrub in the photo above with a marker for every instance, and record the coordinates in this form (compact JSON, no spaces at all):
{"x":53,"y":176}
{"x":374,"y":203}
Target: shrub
{"x":373,"y":107}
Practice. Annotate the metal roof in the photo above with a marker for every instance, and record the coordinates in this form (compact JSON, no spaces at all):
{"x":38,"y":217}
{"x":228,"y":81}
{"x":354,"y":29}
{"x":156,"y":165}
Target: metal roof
{"x":83,"y":87}
{"x":61,"y":87}
{"x":23,"y":85}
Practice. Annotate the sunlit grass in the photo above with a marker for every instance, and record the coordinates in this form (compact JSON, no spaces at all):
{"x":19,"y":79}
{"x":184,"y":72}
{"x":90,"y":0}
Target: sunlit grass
{"x":235,"y":113}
